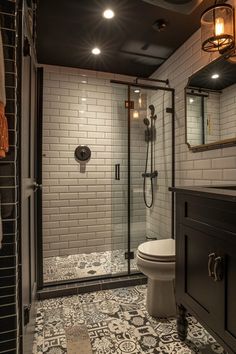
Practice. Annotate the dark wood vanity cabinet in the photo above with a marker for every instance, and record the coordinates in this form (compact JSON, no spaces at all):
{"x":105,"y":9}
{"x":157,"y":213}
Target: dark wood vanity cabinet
{"x":206,"y":263}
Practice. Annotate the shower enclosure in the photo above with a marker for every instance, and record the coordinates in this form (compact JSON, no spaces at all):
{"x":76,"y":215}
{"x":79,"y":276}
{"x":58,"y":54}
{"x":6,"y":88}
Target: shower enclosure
{"x":97,"y":211}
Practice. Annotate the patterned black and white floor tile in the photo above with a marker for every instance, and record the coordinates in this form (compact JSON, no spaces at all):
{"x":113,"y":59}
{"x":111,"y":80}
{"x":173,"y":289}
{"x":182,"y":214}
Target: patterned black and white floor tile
{"x":117,"y":323}
{"x":85,"y":265}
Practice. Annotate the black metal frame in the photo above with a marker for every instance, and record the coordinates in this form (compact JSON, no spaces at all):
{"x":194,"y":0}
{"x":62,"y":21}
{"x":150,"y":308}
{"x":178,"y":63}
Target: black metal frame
{"x":129,"y":183}
{"x":19,"y":29}
{"x":40,"y":283}
{"x":38,"y":174}
{"x":203,"y":119}
{"x":168,"y":110}
{"x":173,"y":231}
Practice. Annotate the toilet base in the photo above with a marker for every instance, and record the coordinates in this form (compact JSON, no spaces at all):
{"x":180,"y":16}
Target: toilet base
{"x":161,"y":298}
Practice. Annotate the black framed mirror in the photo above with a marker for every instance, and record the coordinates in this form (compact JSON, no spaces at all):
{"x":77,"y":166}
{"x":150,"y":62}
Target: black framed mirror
{"x":210,"y":106}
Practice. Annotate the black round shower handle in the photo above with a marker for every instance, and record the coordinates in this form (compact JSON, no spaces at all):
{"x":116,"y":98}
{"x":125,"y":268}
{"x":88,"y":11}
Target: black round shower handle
{"x":82,"y":153}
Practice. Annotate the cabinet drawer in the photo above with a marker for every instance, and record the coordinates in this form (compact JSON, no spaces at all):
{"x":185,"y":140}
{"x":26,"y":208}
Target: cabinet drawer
{"x":216,"y":213}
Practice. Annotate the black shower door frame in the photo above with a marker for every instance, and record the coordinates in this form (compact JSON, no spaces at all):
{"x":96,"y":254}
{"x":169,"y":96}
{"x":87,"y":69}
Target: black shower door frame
{"x":40,"y":283}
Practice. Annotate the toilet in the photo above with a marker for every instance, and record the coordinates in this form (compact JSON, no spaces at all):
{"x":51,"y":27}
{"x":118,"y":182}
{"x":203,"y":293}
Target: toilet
{"x":156,"y":259}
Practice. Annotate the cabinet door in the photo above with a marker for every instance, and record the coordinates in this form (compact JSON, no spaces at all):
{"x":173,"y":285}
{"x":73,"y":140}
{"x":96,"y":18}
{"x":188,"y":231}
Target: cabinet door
{"x":195,"y":289}
{"x":229,"y":301}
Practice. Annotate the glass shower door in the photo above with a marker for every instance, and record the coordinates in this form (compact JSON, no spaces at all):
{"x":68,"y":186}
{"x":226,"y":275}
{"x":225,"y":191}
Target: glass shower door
{"x":119,"y":180}
{"x":138,"y":113}
{"x":150,"y":166}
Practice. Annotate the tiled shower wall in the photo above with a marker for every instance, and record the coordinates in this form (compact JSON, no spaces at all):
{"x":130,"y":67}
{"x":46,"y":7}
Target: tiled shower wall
{"x":84,"y":207}
{"x":10,"y":320}
{"x":158,"y":217}
{"x":208,"y":167}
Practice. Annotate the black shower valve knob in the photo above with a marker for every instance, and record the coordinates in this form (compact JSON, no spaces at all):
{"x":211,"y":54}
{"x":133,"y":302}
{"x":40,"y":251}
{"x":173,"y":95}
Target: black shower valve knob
{"x":82,"y":153}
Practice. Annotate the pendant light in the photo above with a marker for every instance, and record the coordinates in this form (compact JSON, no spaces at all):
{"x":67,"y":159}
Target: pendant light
{"x":217,"y":28}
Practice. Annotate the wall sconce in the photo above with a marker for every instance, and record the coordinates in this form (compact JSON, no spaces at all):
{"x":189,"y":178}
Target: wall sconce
{"x":217,"y":28}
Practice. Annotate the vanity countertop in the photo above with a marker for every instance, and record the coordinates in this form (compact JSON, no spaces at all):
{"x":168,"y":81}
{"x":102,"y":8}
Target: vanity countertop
{"x":222,"y":192}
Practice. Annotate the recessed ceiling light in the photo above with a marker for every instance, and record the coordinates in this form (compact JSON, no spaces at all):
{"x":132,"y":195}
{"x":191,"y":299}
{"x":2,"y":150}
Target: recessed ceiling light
{"x":215,"y":76}
{"x":191,"y":100}
{"x":108,"y":13}
{"x":136,"y":91}
{"x":96,"y":51}
{"x":83,"y":99}
{"x":84,"y":82}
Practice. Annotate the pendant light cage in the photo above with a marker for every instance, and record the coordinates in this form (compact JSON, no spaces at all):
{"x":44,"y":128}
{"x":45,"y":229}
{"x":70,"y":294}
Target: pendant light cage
{"x":217,"y":28}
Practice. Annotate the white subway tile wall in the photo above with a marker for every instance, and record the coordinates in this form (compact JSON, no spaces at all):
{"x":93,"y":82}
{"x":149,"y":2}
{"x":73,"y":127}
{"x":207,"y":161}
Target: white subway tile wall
{"x":227,"y":113}
{"x":85,"y":208}
{"x":201,"y":168}
{"x":159,"y":216}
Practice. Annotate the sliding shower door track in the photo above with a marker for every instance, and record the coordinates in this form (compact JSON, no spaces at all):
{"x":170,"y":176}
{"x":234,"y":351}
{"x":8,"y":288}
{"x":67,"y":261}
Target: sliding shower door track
{"x":89,"y":285}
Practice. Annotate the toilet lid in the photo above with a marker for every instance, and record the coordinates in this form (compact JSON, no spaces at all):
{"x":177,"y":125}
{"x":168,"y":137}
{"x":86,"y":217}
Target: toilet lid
{"x":158,"y":250}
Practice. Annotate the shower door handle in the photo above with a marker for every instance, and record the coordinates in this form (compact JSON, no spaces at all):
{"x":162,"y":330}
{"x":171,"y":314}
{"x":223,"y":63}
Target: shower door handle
{"x":117,"y":171}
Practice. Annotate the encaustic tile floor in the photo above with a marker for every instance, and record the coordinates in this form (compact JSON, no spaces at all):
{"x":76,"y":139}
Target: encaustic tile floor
{"x":85,"y":265}
{"x":116,"y":322}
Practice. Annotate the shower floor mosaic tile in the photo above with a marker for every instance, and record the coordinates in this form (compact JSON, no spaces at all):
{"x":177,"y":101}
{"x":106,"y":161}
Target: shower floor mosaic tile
{"x":85,"y":265}
{"x":117,"y":323}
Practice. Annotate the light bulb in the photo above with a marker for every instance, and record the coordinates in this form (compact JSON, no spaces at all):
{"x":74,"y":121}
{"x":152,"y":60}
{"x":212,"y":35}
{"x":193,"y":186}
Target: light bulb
{"x":96,"y":51}
{"x":215,"y":76}
{"x":219,"y":26}
{"x":135,"y":115}
{"x":108,"y":13}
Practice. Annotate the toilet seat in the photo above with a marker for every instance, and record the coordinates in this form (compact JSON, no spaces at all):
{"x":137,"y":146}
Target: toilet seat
{"x":158,"y":250}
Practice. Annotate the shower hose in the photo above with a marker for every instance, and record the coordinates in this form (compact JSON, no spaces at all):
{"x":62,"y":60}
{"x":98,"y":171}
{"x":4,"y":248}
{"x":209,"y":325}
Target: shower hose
{"x":148,"y":205}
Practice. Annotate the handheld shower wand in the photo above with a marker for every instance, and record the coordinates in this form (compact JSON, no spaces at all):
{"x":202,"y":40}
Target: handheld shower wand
{"x":149,"y":137}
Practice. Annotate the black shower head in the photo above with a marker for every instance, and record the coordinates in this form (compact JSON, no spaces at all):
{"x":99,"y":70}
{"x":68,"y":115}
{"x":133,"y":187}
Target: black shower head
{"x":152,"y":109}
{"x":146,"y":122}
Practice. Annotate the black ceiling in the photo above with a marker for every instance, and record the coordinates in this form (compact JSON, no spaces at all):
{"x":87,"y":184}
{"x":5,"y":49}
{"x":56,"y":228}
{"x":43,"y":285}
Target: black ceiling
{"x":203,"y":78}
{"x":67,"y":30}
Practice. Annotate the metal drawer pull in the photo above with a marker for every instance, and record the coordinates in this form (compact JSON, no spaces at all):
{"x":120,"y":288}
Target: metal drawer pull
{"x":211,"y":258}
{"x":218,"y":269}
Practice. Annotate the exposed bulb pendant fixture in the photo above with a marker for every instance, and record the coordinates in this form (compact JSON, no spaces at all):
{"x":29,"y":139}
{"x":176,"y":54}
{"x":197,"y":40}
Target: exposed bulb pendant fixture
{"x":217,"y":28}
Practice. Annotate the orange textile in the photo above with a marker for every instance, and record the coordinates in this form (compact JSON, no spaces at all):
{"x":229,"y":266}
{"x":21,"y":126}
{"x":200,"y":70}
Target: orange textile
{"x":4,"y":145}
